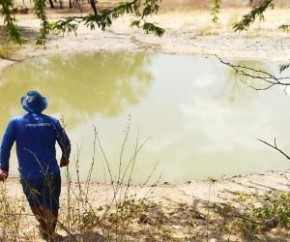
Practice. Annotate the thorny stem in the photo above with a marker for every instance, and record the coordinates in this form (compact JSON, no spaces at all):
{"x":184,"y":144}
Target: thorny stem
{"x":92,"y":165}
{"x":122,"y":151}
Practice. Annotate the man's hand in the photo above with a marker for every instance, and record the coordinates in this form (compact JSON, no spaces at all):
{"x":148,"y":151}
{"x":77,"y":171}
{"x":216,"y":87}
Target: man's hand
{"x":64,"y":161}
{"x":3,"y":175}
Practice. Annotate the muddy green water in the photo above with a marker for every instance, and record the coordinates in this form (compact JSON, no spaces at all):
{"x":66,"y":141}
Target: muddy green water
{"x":197,"y":119}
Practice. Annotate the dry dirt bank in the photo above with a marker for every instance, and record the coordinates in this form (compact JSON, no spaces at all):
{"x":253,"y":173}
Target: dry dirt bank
{"x":179,"y":209}
{"x":189,"y":32}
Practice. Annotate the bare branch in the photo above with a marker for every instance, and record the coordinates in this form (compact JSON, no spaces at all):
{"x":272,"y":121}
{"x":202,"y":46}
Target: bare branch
{"x":275,"y":147}
{"x":267,"y":78}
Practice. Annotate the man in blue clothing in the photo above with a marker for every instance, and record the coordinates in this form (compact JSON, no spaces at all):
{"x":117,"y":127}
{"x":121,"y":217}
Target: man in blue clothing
{"x":35,"y":135}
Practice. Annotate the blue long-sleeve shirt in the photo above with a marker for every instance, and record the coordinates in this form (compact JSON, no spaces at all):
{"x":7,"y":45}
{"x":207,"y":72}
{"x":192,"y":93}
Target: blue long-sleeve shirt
{"x":35,"y":136}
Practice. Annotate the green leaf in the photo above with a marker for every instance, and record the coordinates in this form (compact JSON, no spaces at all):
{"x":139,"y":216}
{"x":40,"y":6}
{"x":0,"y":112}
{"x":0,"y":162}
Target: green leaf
{"x":215,"y":9}
{"x":285,"y":28}
{"x":249,"y":18}
{"x":135,"y":23}
{"x":284,"y":67}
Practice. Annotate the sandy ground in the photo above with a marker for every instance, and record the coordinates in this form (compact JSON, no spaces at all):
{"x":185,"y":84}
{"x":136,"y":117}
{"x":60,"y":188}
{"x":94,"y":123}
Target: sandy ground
{"x":189,"y":33}
{"x":177,"y":202}
{"x":221,"y":190}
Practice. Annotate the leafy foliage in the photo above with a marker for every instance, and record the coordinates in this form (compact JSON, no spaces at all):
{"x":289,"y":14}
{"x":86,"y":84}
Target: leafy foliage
{"x":39,"y":7}
{"x":9,"y":21}
{"x":105,"y":18}
{"x":102,"y":19}
{"x":249,"y":18}
{"x":215,"y":9}
{"x":273,"y":207}
{"x":285,"y":28}
{"x":258,"y":11}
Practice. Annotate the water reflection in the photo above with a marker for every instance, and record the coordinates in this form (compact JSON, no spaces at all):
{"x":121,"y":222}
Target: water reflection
{"x":82,"y":85}
{"x":202,"y":120}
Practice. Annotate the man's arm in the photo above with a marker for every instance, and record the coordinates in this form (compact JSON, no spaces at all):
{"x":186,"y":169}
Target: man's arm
{"x":5,"y":150}
{"x":64,"y":143}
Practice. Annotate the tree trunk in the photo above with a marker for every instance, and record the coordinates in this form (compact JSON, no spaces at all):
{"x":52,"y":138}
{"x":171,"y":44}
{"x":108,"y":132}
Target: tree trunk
{"x":93,"y":5}
{"x":51,"y":3}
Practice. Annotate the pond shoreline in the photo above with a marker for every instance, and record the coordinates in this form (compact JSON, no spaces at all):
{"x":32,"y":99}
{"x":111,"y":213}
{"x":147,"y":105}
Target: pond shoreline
{"x":222,"y":188}
{"x":200,"y":39}
{"x":261,"y":42}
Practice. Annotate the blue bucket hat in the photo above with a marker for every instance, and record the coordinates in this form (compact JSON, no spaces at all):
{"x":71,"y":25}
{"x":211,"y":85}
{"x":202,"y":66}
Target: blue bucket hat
{"x":33,"y":102}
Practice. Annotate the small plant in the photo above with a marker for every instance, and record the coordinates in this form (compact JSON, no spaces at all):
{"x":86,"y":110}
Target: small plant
{"x":114,"y":219}
{"x":11,"y":214}
{"x":275,"y":206}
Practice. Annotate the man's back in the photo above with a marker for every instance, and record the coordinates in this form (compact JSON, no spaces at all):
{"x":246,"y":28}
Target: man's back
{"x":35,"y":135}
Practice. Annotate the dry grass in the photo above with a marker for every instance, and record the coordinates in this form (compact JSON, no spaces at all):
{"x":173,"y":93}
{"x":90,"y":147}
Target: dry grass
{"x":246,"y":218}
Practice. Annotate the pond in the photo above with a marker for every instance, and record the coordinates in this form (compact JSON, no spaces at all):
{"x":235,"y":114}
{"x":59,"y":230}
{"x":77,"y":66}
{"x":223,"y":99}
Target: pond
{"x":152,"y":116}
